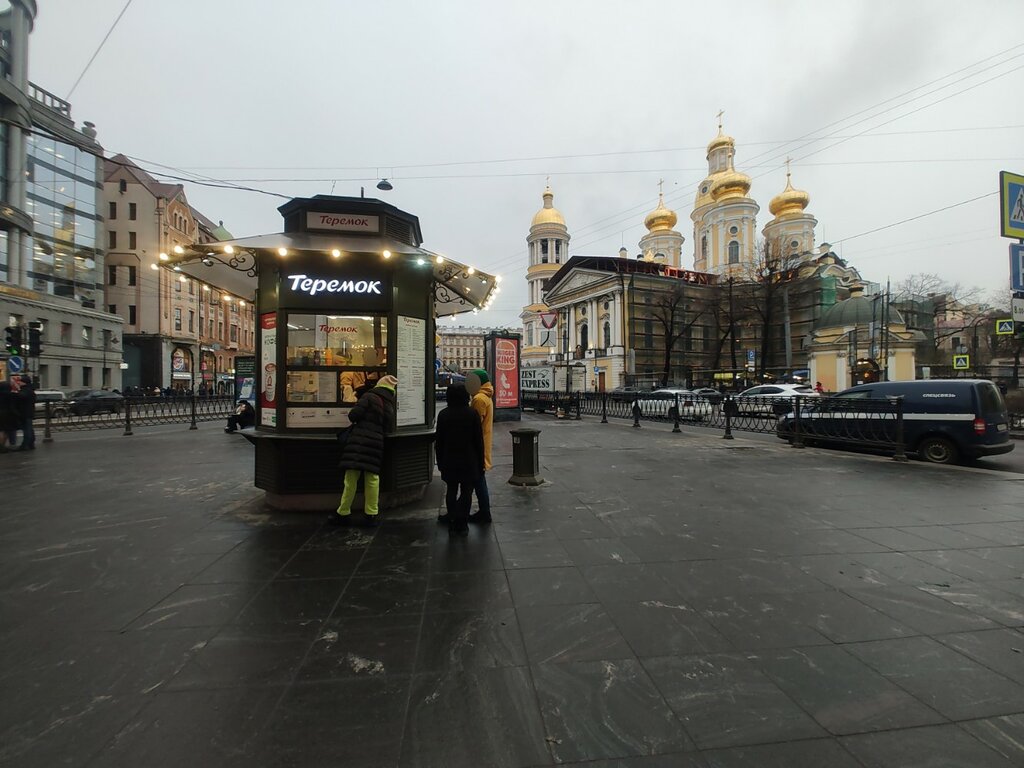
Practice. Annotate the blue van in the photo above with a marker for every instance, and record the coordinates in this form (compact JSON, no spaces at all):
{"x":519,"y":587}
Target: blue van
{"x":944,"y":420}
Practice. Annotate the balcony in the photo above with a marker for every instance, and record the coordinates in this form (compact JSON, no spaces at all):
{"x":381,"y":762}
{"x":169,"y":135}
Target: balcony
{"x":49,"y":100}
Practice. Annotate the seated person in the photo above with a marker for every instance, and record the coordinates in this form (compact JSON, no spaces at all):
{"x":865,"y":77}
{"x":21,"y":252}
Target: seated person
{"x":244,"y":416}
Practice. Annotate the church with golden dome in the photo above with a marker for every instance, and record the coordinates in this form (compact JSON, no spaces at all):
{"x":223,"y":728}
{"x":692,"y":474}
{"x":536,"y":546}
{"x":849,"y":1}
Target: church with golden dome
{"x":745,"y":308}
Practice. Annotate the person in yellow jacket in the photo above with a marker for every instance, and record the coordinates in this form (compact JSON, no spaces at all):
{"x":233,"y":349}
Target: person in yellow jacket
{"x":483,"y":404}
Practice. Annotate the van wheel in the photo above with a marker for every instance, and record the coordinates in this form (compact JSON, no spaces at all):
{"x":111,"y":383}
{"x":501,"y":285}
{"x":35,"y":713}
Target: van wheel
{"x":937,"y":450}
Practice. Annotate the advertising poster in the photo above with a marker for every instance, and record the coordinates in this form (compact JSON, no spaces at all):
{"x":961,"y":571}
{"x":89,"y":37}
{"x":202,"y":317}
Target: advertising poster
{"x":268,"y":369}
{"x":537,"y":379}
{"x":506,"y":373}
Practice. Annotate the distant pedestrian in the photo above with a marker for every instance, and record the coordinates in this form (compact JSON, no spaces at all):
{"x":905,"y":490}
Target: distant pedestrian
{"x":819,"y":388}
{"x":479,"y":384}
{"x":460,"y":456}
{"x":8,"y":417}
{"x":363,"y":453}
{"x":25,"y":406}
{"x":244,"y":416}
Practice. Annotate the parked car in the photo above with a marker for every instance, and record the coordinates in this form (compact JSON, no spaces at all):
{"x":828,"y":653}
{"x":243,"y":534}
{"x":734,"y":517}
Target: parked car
{"x":84,"y":402}
{"x":58,"y":407}
{"x":944,"y":420}
{"x":710,"y":394}
{"x":662,"y":402}
{"x":771,"y":399}
{"x":626,"y":394}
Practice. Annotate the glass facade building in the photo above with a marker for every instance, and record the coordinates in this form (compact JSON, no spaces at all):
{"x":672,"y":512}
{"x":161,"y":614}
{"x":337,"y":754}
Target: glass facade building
{"x":61,"y":192}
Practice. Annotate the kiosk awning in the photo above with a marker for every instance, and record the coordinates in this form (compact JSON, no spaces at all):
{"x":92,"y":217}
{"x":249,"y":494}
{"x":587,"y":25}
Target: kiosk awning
{"x":457,"y":287}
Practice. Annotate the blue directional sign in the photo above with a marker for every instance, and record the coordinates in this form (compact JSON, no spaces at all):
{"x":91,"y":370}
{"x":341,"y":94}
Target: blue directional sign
{"x":1011,"y":205}
{"x":15,"y":364}
{"x":751,"y":356}
{"x":1017,"y":267}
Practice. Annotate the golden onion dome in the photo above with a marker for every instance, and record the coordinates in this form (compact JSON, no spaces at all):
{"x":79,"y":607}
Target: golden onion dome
{"x":548,"y":214}
{"x":721,"y":140}
{"x":789,"y":202}
{"x":661,"y":219}
{"x":730,"y":184}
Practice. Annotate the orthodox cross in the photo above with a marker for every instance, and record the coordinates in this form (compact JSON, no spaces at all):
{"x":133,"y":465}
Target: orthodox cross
{"x":719,"y":116}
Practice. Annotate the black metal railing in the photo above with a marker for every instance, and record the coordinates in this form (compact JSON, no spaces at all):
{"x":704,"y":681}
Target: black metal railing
{"x":799,"y":419}
{"x":132,"y":412}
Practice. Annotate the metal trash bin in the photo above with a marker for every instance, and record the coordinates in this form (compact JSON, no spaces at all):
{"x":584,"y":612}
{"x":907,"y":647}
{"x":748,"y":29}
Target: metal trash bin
{"x":525,"y":457}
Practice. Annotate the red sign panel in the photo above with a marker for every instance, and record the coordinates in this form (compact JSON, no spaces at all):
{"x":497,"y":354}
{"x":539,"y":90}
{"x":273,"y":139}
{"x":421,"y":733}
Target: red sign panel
{"x":506,"y":373}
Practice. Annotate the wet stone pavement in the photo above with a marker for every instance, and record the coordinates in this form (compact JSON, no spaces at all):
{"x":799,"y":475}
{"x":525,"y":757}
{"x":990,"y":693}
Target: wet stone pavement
{"x":664,"y":600}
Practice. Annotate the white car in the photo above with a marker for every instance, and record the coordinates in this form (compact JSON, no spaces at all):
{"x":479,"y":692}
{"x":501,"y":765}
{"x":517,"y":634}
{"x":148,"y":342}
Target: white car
{"x":771,"y":399}
{"x":662,"y":402}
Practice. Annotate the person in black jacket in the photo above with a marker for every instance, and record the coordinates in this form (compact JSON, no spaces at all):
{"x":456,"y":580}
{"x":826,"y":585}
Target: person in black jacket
{"x":25,"y":404}
{"x":460,"y":456}
{"x":363,"y":453}
{"x":8,"y":417}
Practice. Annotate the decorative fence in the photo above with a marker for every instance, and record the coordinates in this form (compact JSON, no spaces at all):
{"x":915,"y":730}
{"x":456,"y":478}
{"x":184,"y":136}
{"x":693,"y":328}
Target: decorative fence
{"x":134,"y":412}
{"x":801,"y":420}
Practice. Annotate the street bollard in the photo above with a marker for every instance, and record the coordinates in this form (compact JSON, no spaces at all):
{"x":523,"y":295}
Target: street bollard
{"x":636,"y":415}
{"x":798,"y":437}
{"x":604,"y":408}
{"x":127,"y":418}
{"x":901,"y":449}
{"x":675,"y":418}
{"x":578,"y":398}
{"x":525,"y":457}
{"x":727,"y":408}
{"x":47,"y":437}
{"x":193,"y":426}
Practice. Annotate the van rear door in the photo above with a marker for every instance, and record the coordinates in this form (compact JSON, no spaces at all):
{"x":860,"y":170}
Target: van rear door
{"x":991,"y":418}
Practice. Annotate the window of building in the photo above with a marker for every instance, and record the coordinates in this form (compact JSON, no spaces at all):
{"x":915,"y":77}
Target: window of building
{"x":132,"y":276}
{"x":191,"y":321}
{"x":86,"y":376}
{"x":191,"y":287}
{"x":177,"y":285}
{"x":132,"y":240}
{"x":234,"y":333}
{"x":704,"y":246}
{"x":86,"y":336}
{"x":733,"y":230}
{"x":177,"y":318}
{"x":543,"y":251}
{"x":131,"y":314}
{"x":794,"y":244}
{"x":111,"y":274}
{"x":112,"y":240}
{"x":220,"y":330}
{"x":113,"y":211}
{"x":132,"y":211}
{"x":65,"y":375}
{"x":65,"y":333}
{"x":584,"y":337}
{"x":734,"y":252}
{"x":211,"y":327}
{"x":112,"y":309}
{"x":607,"y":334}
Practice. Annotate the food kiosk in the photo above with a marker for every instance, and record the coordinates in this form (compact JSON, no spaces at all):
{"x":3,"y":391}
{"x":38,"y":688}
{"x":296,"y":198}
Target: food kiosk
{"x":345,"y":294}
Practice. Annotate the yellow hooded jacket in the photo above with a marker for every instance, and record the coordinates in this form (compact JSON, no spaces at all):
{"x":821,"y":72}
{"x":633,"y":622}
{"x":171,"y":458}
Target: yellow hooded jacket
{"x":483,"y":404}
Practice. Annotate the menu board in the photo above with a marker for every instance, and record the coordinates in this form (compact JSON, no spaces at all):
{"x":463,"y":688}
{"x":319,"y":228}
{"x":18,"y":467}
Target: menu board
{"x":411,"y":371}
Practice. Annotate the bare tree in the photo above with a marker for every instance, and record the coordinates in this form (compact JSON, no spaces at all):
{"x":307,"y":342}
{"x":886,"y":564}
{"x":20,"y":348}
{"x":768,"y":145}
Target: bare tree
{"x":676,"y":311}
{"x":767,"y":280}
{"x":940,"y":309}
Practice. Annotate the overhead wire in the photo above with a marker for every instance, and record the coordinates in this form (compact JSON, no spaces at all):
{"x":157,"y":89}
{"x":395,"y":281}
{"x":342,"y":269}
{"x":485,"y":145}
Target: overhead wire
{"x":98,"y":49}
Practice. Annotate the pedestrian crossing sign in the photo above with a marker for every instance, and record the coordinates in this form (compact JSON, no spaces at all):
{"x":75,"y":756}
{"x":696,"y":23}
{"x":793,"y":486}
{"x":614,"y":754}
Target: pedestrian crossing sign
{"x":961,"y":362}
{"x":1004,"y":327}
{"x":1011,"y":205}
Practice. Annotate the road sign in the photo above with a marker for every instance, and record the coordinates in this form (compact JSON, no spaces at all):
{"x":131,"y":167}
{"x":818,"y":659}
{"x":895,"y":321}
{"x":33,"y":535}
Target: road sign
{"x":1011,"y":205}
{"x":961,"y":362}
{"x":15,"y":364}
{"x":751,"y":356}
{"x":1017,"y":310}
{"x":1004,"y":327}
{"x":1017,"y":267}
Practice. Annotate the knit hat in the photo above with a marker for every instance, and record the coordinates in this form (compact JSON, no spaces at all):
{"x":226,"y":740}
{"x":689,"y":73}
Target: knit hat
{"x":388,"y":382}
{"x":482,"y":374}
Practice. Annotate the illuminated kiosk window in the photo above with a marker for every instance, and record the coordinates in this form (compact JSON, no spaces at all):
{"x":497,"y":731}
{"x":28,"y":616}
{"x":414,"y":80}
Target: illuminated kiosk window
{"x":333,"y":359}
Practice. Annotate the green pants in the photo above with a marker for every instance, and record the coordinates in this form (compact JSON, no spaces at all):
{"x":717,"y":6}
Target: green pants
{"x":371,"y":491}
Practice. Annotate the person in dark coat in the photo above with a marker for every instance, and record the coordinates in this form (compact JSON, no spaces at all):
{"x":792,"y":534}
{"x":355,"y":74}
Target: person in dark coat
{"x":363,"y":454}
{"x":459,"y":445}
{"x":25,"y":406}
{"x":8,"y":417}
{"x":244,"y":416}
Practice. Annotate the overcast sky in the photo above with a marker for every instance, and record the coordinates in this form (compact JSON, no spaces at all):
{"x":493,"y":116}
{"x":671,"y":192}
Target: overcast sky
{"x":459,"y":102}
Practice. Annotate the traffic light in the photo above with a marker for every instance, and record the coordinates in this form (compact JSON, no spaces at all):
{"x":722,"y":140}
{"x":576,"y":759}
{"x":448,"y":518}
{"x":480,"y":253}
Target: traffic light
{"x":35,"y":340}
{"x":12,"y":337}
